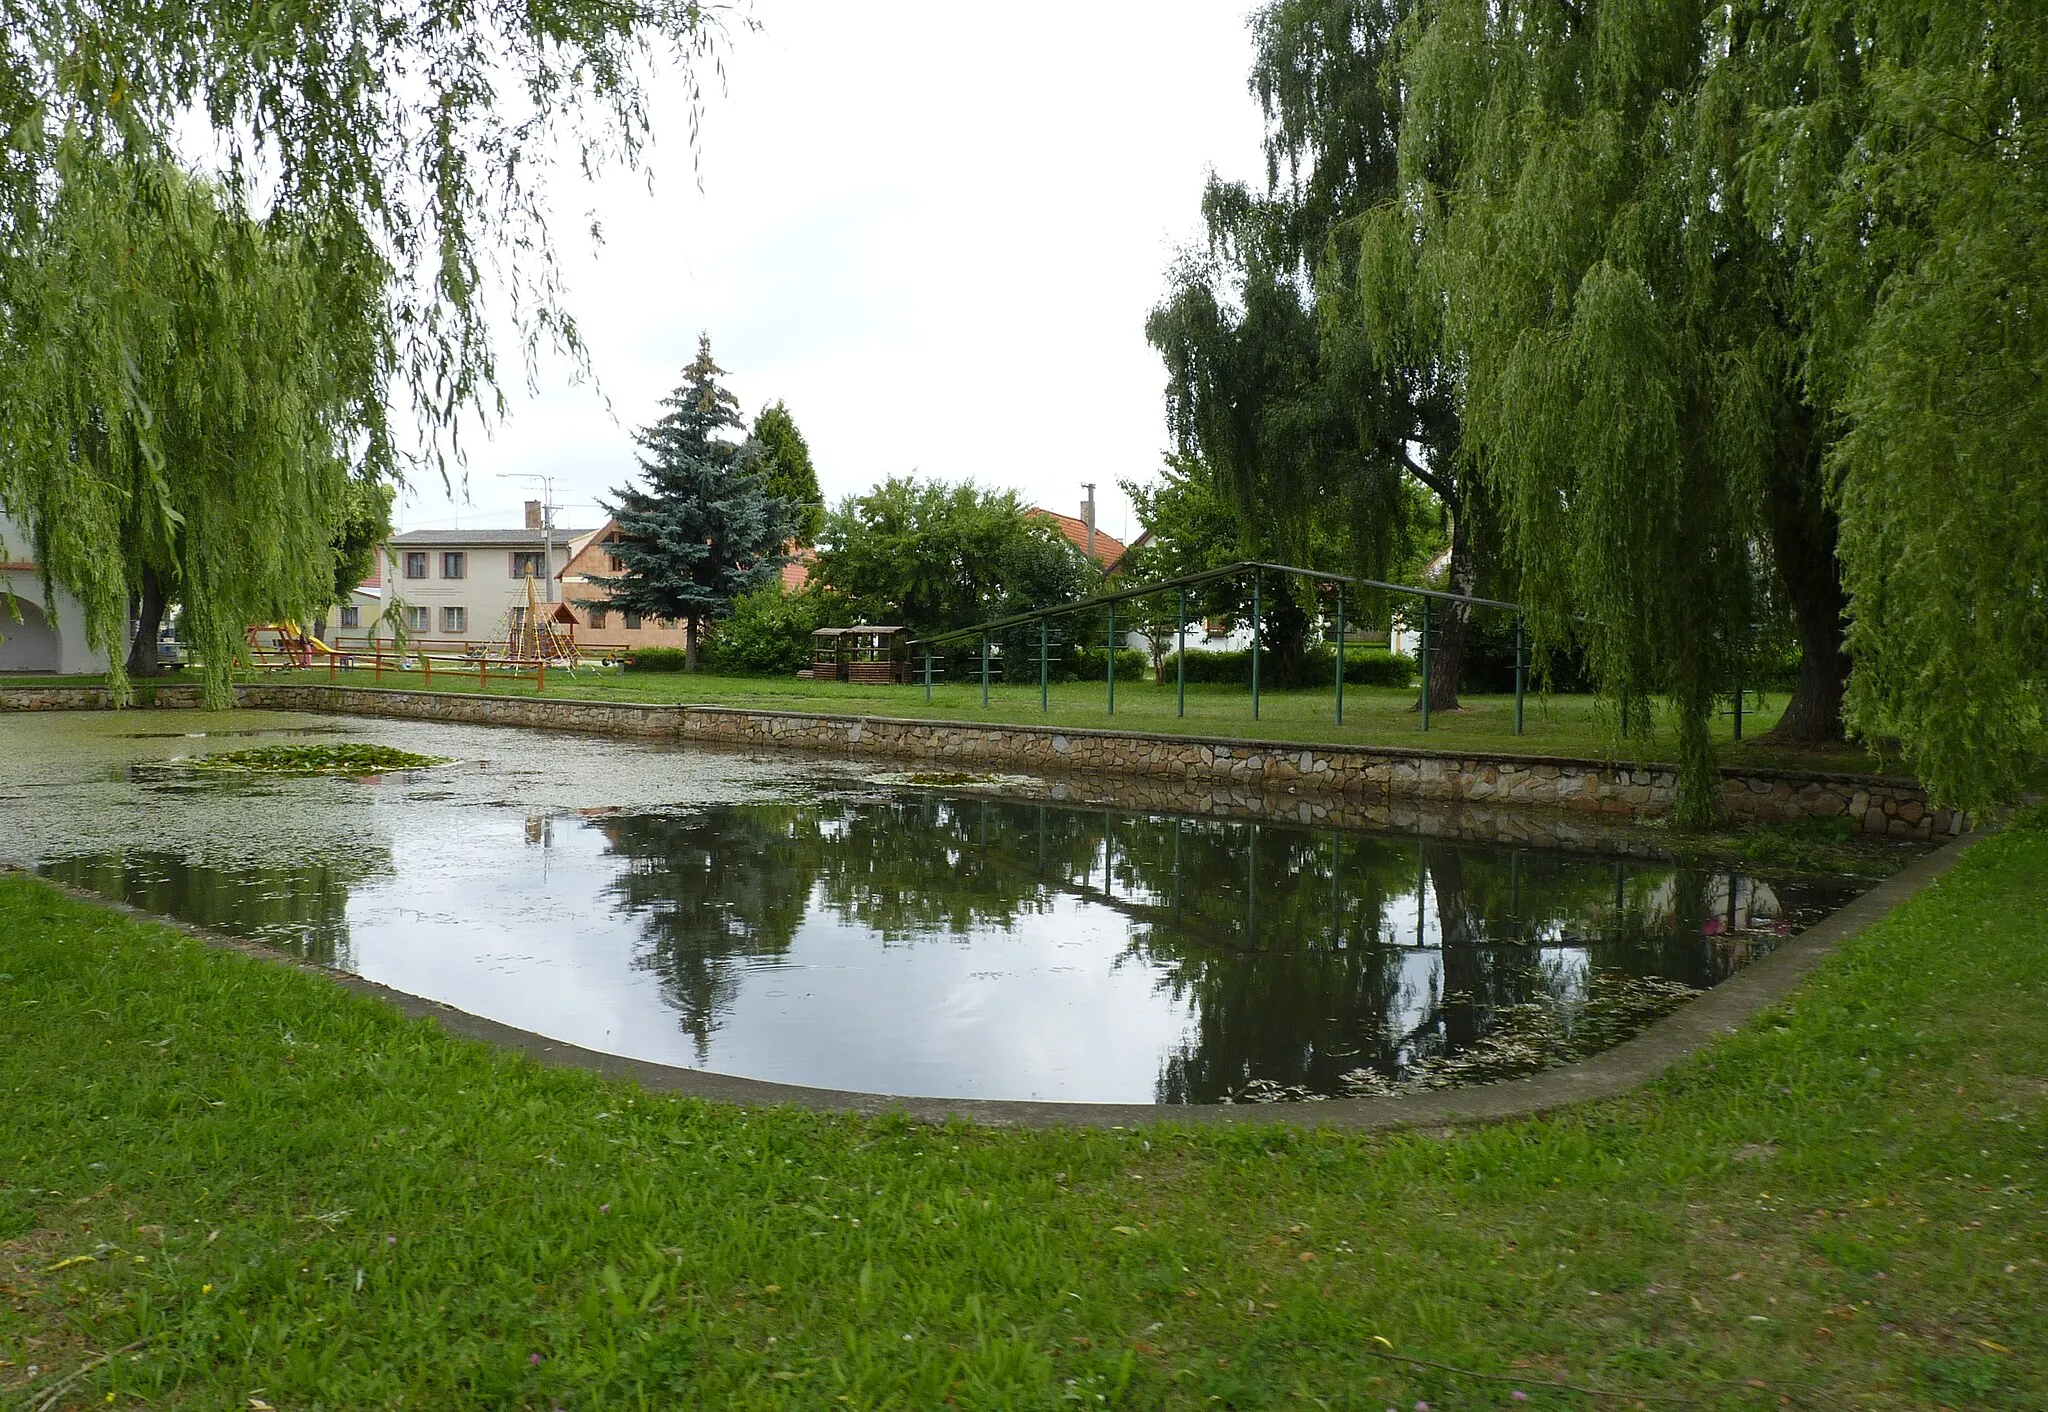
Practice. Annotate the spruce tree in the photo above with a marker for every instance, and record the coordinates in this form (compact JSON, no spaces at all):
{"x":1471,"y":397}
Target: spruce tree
{"x":787,"y":457}
{"x":706,"y":528}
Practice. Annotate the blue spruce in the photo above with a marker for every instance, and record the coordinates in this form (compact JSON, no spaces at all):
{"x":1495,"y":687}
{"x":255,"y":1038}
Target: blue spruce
{"x":706,"y":528}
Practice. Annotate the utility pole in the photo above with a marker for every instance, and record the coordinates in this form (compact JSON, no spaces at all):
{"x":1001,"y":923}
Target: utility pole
{"x":547,"y":527}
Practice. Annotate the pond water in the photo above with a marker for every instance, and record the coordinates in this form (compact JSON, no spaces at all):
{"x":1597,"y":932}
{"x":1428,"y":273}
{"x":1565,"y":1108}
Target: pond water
{"x":809,"y":922}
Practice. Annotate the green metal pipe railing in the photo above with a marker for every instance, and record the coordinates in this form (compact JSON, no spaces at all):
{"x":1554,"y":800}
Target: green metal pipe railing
{"x":1179,"y":586}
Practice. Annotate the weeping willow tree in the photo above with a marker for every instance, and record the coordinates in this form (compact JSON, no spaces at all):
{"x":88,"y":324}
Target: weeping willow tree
{"x":179,"y":407}
{"x":188,"y":372}
{"x":1905,"y":151}
{"x":1747,"y":294}
{"x":1572,"y":233}
{"x":1311,"y":420}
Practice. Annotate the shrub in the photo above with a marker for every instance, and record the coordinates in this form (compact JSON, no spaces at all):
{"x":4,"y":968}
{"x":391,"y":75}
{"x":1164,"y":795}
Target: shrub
{"x":1363,"y":666}
{"x":769,"y":631}
{"x":1087,"y":664}
{"x":655,"y":659}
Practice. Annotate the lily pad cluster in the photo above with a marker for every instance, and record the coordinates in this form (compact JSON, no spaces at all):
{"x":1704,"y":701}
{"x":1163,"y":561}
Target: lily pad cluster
{"x":311,"y":760}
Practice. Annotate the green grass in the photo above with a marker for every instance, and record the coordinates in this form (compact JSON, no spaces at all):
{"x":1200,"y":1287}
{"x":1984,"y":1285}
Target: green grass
{"x":277,"y":1191}
{"x":1577,"y":726}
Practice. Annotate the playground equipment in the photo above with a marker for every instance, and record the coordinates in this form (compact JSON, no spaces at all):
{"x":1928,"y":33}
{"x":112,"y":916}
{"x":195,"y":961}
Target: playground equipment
{"x":536,"y":632}
{"x":276,"y":646}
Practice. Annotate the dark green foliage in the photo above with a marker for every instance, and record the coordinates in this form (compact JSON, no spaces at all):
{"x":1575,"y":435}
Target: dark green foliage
{"x":768,"y":633}
{"x":350,"y":759}
{"x":365,"y":526}
{"x":656,"y":659}
{"x":787,"y":457}
{"x":1363,"y":666}
{"x":1091,"y":664}
{"x":934,"y":557}
{"x":706,"y":529}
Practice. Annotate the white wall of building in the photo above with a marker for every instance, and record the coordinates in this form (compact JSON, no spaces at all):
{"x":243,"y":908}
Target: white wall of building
{"x":49,"y":636}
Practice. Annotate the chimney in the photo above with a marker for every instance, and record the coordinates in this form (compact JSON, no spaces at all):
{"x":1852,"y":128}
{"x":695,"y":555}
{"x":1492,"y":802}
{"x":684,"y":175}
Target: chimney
{"x":533,"y":514}
{"x":1088,"y":514}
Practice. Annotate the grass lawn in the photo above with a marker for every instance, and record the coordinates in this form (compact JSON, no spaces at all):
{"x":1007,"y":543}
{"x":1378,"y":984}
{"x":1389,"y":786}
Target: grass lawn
{"x":1579,"y":726}
{"x":268,"y":1192}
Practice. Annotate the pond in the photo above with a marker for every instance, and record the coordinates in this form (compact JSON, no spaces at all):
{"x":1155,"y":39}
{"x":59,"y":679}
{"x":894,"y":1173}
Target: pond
{"x":821,"y":923}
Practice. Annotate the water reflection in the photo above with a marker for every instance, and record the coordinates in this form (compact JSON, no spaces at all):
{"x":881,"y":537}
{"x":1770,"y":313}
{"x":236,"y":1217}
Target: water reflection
{"x":913,"y":942}
{"x":1298,"y":956}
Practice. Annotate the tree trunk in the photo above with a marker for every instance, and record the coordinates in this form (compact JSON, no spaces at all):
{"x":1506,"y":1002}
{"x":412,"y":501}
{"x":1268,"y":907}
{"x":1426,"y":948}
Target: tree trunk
{"x":1447,"y":620}
{"x":1803,"y":535}
{"x":689,"y":644}
{"x":149,"y":621}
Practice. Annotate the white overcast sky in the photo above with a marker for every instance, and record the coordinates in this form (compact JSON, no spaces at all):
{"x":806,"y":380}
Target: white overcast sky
{"x":933,"y":229}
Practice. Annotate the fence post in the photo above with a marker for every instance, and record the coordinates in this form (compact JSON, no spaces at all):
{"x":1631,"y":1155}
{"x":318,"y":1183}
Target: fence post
{"x":483,"y":673}
{"x":927,"y":676}
{"x":1425,"y":661}
{"x":377,"y":669}
{"x":1255,"y":644}
{"x":1112,"y":659}
{"x":1044,"y":664}
{"x":1180,"y":657}
{"x":1738,"y":700}
{"x":427,"y":665}
{"x":1340,"y":654}
{"x":540,"y":676}
{"x":984,"y":669}
{"x":1518,"y":674}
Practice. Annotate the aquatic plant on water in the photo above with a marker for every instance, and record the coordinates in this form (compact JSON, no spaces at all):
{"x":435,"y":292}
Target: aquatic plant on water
{"x":307,"y":760}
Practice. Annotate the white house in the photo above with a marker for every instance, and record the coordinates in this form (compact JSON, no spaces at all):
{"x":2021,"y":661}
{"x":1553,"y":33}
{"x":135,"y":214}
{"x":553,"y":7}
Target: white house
{"x":38,"y":635}
{"x":463,"y":585}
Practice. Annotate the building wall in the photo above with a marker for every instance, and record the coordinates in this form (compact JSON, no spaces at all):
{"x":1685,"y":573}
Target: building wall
{"x":614,"y":635}
{"x":487,"y":591}
{"x":50,"y":636}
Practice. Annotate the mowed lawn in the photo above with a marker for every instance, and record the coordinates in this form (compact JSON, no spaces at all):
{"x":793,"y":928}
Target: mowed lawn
{"x":226,"y":1183}
{"x":1582,"y":727}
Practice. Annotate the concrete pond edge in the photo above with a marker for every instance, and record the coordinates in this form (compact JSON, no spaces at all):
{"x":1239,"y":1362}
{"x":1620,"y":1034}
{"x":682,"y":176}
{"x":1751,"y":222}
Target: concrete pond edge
{"x":1613,"y":1073}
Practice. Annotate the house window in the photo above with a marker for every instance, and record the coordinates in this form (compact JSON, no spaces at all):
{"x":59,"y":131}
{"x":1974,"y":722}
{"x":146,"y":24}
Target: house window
{"x":416,"y":619}
{"x":632,"y":622}
{"x":612,"y":554}
{"x":351,"y":617}
{"x":416,"y":564}
{"x":529,"y":564}
{"x":597,"y":617}
{"x":454,"y":620}
{"x":454,"y":564}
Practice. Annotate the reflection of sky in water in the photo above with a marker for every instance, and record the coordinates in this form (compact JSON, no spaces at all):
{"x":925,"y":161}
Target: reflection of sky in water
{"x":776,"y":918}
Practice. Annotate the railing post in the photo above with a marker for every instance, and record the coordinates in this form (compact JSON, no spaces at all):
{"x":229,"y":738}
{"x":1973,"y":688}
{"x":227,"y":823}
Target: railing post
{"x":1180,"y":660}
{"x":540,"y":676}
{"x":1255,"y":644}
{"x":483,"y":673}
{"x":427,"y":665}
{"x":1340,"y":654}
{"x":1738,"y":700}
{"x":1425,"y":661}
{"x":1045,"y":664}
{"x":984,"y":669}
{"x":1111,"y":659}
{"x":1518,"y":674}
{"x":927,"y":676}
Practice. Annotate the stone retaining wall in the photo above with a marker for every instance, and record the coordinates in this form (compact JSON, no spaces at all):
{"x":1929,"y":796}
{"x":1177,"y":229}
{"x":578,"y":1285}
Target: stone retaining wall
{"x":1876,"y":804}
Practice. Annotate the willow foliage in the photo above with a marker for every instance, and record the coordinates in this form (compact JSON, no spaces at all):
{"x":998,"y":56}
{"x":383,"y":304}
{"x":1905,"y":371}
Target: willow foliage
{"x":1749,"y":294}
{"x":188,"y":371}
{"x":181,"y":399}
{"x":1915,"y":166}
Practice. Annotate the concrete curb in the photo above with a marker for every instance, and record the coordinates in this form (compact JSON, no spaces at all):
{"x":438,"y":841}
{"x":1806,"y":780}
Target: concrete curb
{"x":1623,"y":1069}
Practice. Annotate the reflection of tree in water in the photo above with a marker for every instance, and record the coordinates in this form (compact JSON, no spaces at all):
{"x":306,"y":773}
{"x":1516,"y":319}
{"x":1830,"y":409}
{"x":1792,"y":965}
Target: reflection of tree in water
{"x":710,"y":889}
{"x":298,"y":907}
{"x":1301,"y":954}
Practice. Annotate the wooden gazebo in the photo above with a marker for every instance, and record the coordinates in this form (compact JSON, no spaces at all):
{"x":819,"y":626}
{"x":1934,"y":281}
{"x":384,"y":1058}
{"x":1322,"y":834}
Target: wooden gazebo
{"x":867,"y":653}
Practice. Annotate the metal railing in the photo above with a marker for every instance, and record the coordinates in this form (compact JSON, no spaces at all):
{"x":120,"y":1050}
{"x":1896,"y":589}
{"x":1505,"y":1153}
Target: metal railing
{"x":1179,"y":586}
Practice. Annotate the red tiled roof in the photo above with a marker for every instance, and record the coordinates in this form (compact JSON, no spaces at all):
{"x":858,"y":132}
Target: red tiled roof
{"x":1108,"y":548}
{"x":797,"y":572}
{"x":375,"y":580}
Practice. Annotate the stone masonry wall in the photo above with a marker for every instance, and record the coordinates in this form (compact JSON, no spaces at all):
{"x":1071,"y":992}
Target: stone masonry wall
{"x":1876,"y":804}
